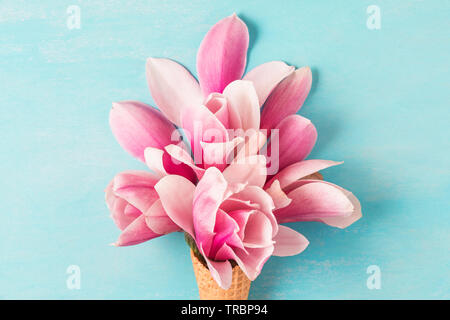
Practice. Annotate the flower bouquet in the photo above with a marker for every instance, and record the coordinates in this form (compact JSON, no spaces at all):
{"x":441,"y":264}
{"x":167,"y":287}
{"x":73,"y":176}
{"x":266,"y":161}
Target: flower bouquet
{"x":221,"y":171}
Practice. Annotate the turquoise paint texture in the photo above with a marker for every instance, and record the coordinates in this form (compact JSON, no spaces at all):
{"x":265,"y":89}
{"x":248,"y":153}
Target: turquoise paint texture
{"x":379,"y":100}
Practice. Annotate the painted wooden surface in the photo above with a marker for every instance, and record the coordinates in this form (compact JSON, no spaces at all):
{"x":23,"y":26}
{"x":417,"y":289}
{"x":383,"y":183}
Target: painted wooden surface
{"x":380,"y":101}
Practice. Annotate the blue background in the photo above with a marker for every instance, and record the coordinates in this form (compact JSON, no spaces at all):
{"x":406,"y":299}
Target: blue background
{"x":380,"y":101}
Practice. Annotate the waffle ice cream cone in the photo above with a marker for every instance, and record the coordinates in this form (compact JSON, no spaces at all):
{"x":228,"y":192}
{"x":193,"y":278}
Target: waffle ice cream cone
{"x":210,"y":290}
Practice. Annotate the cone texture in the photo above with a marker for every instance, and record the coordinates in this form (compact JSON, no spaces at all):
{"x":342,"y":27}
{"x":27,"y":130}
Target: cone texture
{"x":210,"y":290}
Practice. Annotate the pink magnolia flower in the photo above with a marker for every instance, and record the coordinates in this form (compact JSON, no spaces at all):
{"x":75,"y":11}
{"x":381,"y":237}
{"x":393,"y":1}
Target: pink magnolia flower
{"x":230,"y":103}
{"x":231,"y":218}
{"x":300,"y":199}
{"x":129,"y":196}
{"x":232,"y":210}
{"x":137,"y":127}
{"x":225,"y":99}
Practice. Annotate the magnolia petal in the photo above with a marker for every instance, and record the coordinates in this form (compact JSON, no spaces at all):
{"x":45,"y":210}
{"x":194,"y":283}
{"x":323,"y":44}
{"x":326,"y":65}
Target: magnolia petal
{"x":218,"y":105}
{"x":254,"y":141}
{"x":134,"y":178}
{"x":137,"y":232}
{"x":181,"y":155}
{"x":201,"y":125}
{"x":225,"y":253}
{"x":132,"y":210}
{"x":297,"y":136}
{"x":252,"y":260}
{"x":136,"y":187}
{"x":158,"y":220}
{"x":137,"y":126}
{"x":117,"y":207}
{"x":154,"y":161}
{"x":225,"y":232}
{"x":178,"y":208}
{"x":341,"y":221}
{"x":222,"y":55}
{"x":172,"y":87}
{"x":250,"y":170}
{"x":314,"y":201}
{"x":289,"y":242}
{"x":287,"y":98}
{"x":266,"y":76}
{"x":258,"y":231}
{"x":241,"y":217}
{"x":300,"y":170}
{"x":221,"y":272}
{"x":243,"y":105}
{"x":162,"y":163}
{"x":262,"y":199}
{"x":344,"y":222}
{"x":172,"y":166}
{"x":280,"y":199}
{"x":208,"y":196}
{"x":217,"y":153}
{"x":231,"y":204}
